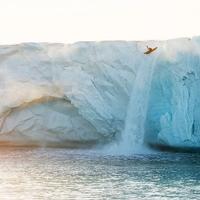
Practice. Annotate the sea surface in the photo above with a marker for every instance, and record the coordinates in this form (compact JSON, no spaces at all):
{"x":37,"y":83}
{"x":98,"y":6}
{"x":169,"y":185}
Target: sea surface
{"x":62,"y":174}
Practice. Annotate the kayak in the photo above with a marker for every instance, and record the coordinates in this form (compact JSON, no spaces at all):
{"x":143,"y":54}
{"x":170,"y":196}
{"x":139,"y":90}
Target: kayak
{"x":150,"y":50}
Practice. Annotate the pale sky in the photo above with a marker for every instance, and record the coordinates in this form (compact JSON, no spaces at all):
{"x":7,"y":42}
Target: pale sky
{"x":74,"y":20}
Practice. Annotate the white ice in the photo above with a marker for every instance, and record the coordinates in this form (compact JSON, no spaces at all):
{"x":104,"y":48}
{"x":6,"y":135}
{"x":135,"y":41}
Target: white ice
{"x":97,"y":92}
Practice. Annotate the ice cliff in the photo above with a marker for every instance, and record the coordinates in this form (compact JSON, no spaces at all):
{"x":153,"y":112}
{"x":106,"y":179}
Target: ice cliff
{"x":99,"y":92}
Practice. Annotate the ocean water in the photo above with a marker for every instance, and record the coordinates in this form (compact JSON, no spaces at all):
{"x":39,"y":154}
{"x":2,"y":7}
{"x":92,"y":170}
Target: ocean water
{"x":60,"y":174}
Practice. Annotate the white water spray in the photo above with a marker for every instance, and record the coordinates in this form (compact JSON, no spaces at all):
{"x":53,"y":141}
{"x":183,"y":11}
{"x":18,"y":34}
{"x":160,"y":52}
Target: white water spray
{"x":133,"y":134}
{"x":132,"y":137}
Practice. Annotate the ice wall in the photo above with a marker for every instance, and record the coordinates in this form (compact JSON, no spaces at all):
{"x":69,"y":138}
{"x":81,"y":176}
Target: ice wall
{"x":99,"y":92}
{"x":92,"y":80}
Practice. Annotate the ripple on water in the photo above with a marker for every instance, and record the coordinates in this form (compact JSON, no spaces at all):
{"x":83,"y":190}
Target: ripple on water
{"x":37,"y":173}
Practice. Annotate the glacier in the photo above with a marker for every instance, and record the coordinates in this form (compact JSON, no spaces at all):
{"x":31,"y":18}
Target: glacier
{"x":96,"y":93}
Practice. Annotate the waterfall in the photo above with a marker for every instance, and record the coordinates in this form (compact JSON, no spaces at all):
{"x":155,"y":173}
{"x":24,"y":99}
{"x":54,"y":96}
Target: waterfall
{"x":133,"y":134}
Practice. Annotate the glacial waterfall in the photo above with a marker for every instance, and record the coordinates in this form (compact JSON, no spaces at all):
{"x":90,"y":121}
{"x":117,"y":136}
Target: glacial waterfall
{"x":102,"y":93}
{"x":133,"y":134}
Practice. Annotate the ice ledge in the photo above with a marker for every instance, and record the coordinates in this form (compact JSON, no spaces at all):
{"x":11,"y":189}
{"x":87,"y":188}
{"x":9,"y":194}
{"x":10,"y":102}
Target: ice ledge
{"x":97,"y":78}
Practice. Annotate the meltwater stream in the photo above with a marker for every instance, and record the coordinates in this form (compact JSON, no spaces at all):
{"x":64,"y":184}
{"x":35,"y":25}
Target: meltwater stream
{"x":133,"y":134}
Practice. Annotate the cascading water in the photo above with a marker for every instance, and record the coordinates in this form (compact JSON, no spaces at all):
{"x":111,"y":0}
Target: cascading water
{"x":103,"y":92}
{"x":133,"y":134}
{"x":131,"y":140}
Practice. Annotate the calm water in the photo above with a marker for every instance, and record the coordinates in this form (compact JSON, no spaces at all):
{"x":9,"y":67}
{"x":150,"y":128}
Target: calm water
{"x":27,"y":173}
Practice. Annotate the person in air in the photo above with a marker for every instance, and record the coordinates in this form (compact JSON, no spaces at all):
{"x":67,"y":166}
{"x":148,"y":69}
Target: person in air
{"x":150,"y":50}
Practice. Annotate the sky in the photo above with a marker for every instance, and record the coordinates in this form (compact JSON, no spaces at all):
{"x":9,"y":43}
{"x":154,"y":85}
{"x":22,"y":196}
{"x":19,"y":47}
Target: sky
{"x":68,"y":21}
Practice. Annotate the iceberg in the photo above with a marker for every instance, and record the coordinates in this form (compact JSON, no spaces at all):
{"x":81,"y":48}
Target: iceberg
{"x":91,"y":93}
